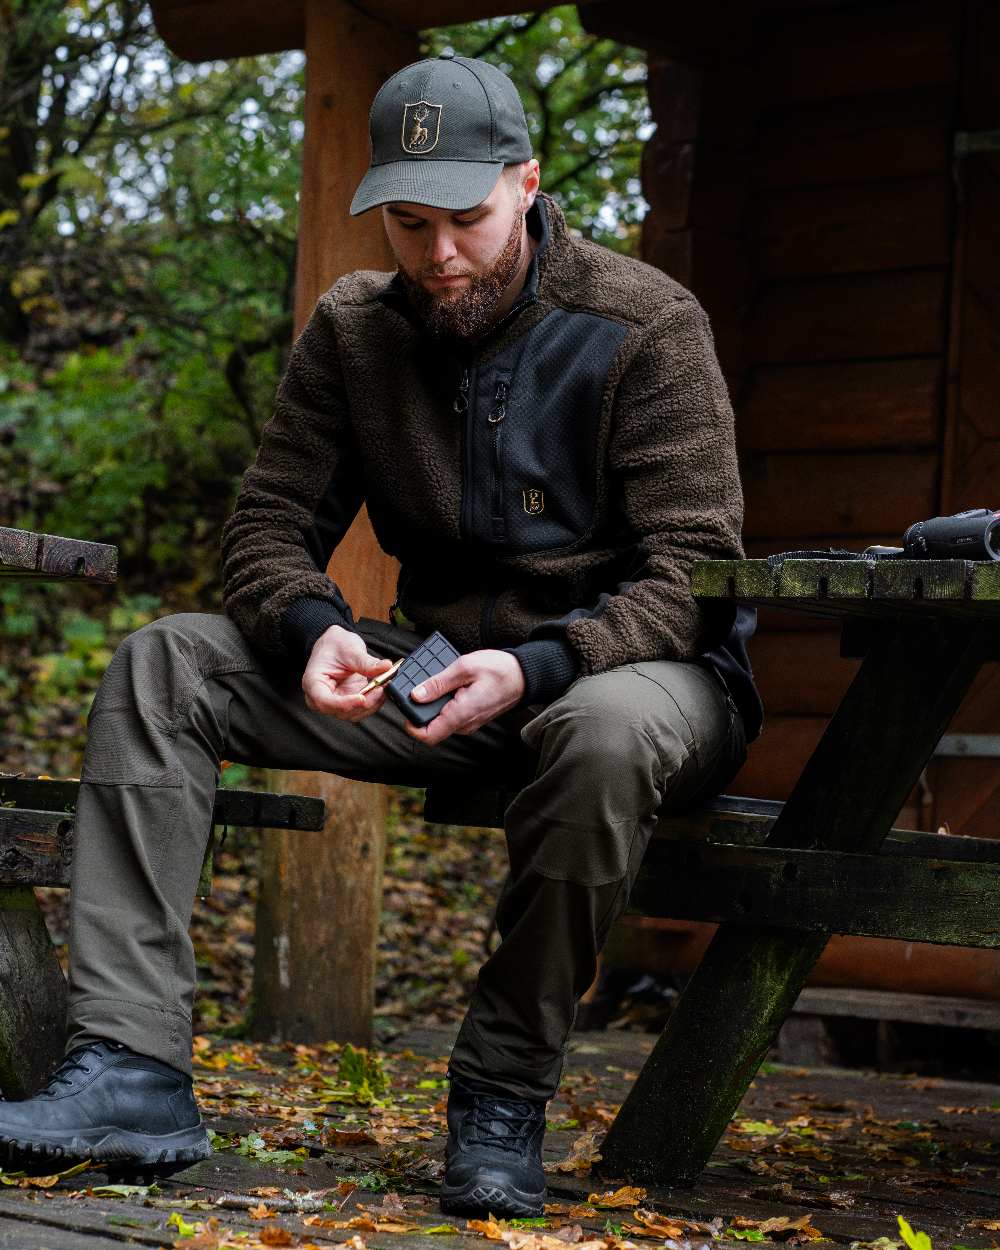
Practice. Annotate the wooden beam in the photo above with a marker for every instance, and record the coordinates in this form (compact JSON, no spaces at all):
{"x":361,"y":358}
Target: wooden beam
{"x":206,"y":30}
{"x":901,"y":896}
{"x":320,"y":898}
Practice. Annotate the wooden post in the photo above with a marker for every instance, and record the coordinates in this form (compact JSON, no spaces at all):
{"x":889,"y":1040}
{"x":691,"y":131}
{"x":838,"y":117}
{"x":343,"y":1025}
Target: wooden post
{"x":320,"y":894}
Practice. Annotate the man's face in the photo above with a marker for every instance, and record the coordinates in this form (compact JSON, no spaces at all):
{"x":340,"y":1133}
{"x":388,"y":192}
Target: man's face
{"x":458,"y":265}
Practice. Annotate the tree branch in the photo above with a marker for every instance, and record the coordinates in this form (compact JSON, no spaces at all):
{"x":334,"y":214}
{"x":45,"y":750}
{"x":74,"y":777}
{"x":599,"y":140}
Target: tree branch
{"x":510,"y":29}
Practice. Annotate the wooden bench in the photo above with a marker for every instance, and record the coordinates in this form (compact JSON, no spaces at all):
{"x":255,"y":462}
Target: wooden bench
{"x":36,"y":844}
{"x":780,"y":878}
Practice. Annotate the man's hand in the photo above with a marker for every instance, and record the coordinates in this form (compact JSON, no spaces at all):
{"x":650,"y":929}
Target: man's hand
{"x":338,"y":669}
{"x":488,"y":683}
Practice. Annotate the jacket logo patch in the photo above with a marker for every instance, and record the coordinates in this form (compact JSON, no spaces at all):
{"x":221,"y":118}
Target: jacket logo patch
{"x":534,"y":500}
{"x":421,"y":127}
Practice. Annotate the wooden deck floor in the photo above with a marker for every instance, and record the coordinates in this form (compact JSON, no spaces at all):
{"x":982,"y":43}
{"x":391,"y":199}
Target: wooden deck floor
{"x":850,"y":1150}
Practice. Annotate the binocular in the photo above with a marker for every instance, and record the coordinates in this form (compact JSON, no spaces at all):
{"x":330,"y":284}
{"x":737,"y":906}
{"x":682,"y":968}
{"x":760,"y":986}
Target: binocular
{"x":970,"y":535}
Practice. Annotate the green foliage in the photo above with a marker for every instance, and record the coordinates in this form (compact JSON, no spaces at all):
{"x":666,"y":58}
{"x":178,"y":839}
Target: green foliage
{"x":915,"y":1241}
{"x":587,"y":110}
{"x":361,"y":1071}
{"x":254,"y":1147}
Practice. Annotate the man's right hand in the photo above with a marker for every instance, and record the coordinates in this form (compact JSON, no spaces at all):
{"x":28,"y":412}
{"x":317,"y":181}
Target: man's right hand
{"x":338,"y":669}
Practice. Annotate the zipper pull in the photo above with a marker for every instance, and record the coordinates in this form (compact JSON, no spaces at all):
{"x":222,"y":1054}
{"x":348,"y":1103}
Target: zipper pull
{"x":461,"y":401}
{"x":499,"y":409}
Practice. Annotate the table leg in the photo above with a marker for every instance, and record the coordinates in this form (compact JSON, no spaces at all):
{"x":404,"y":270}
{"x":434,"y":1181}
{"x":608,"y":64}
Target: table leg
{"x":852,"y":788}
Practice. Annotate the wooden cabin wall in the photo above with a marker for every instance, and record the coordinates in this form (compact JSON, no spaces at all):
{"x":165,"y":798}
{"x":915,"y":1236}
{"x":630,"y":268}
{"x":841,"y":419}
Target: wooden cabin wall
{"x":802,"y":183}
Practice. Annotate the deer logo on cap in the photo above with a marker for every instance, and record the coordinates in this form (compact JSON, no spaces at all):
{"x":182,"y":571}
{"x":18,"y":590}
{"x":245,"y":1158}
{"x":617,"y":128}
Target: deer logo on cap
{"x":421,"y":127}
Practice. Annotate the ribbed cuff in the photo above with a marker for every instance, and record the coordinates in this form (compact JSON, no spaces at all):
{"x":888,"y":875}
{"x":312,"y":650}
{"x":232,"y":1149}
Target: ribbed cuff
{"x":549,"y":666}
{"x":306,"y":620}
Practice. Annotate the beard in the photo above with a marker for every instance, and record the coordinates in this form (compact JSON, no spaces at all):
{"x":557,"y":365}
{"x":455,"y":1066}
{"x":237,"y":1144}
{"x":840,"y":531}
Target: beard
{"x":471,"y":312}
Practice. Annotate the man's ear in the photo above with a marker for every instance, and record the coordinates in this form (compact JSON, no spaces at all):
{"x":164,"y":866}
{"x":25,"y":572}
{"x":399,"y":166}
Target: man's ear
{"x":529,"y":184}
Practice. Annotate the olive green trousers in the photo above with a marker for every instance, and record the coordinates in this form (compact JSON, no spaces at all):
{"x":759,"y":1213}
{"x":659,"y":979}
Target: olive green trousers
{"x":593,"y":768}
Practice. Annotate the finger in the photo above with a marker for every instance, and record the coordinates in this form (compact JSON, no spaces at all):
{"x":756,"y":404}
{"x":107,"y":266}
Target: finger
{"x":450,"y":678}
{"x":322,"y":697}
{"x":372,"y":665}
{"x":448,"y":721}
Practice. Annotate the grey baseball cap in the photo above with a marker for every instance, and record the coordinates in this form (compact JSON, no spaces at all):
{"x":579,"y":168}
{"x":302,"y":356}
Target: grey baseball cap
{"x":441,"y":132}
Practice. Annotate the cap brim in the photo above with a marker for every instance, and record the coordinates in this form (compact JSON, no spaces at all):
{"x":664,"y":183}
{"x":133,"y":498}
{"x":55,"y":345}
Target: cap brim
{"x":438,"y":184}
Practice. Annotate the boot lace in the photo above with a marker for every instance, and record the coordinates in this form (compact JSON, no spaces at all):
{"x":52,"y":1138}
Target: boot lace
{"x":507,"y":1130}
{"x":72,"y":1062}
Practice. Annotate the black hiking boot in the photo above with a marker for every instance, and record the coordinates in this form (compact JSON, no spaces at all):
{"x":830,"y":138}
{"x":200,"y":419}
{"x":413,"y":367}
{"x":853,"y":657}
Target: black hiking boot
{"x":105,"y":1102}
{"x":493,"y":1160}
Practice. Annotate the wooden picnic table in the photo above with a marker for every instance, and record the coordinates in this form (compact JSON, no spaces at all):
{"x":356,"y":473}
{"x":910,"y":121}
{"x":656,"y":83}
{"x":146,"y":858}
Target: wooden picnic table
{"x":821,"y":863}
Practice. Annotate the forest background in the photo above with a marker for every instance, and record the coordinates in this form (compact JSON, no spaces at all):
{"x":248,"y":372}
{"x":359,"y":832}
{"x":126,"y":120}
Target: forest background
{"x":148,"y":222}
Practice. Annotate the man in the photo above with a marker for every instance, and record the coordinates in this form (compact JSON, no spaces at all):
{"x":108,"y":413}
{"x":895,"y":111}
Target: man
{"x":542,"y":437}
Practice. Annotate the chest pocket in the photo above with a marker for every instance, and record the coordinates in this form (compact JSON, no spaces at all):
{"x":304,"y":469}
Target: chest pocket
{"x":552,"y":410}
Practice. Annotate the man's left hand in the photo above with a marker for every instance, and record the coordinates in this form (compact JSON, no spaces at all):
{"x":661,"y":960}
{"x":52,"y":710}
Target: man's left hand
{"x":487,"y":683}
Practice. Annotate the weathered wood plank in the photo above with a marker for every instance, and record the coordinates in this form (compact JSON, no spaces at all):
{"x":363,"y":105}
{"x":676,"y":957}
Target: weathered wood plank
{"x":888,"y":134}
{"x":250,"y":808}
{"x":50,"y":557}
{"x":850,"y":317}
{"x":806,"y":53}
{"x":956,"y":589}
{"x":960,"y":1013}
{"x":32,"y":995}
{"x":893,"y":896}
{"x":859,"y":228}
{"x":36,"y":848}
{"x":825,"y":579}
{"x":864,"y":406}
{"x":735,"y":821}
{"x":922,"y":579}
{"x":789,"y":493}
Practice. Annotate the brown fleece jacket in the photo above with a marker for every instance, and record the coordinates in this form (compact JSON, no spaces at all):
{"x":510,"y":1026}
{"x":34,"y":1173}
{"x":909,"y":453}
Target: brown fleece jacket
{"x":365,"y":412}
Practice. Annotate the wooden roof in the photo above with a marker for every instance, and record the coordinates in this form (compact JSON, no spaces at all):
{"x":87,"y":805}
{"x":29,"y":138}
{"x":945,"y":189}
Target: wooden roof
{"x":204,"y":30}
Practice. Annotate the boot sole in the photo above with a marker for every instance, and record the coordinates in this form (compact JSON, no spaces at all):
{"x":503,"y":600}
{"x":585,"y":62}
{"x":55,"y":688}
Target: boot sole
{"x":485,"y":1197}
{"x":118,"y":1147}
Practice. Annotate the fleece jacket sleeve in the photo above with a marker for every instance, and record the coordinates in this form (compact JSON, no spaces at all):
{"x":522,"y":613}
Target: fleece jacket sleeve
{"x":674,"y":475}
{"x":296,"y":502}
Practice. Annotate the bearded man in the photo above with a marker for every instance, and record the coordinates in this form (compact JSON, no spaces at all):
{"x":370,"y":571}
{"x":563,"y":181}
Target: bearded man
{"x":543,"y":439}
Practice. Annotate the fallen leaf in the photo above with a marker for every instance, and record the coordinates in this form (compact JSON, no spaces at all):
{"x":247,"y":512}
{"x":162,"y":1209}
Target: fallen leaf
{"x":627,"y":1196}
{"x":277,"y":1236}
{"x":261,"y":1212}
{"x":490,"y":1228}
{"x":583,"y":1154}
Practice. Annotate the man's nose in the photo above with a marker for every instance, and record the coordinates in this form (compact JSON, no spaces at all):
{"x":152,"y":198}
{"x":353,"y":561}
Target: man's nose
{"x":441,"y":246}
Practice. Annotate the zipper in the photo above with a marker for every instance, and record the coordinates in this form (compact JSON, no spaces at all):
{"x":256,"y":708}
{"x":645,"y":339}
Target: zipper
{"x":495,"y":418}
{"x":461,"y":401}
{"x":461,"y":405}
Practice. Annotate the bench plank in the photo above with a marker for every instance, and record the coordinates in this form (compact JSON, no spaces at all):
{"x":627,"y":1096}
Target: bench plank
{"x":899,"y":1007}
{"x":252,"y":808}
{"x":891,"y":896}
{"x":50,"y":557}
